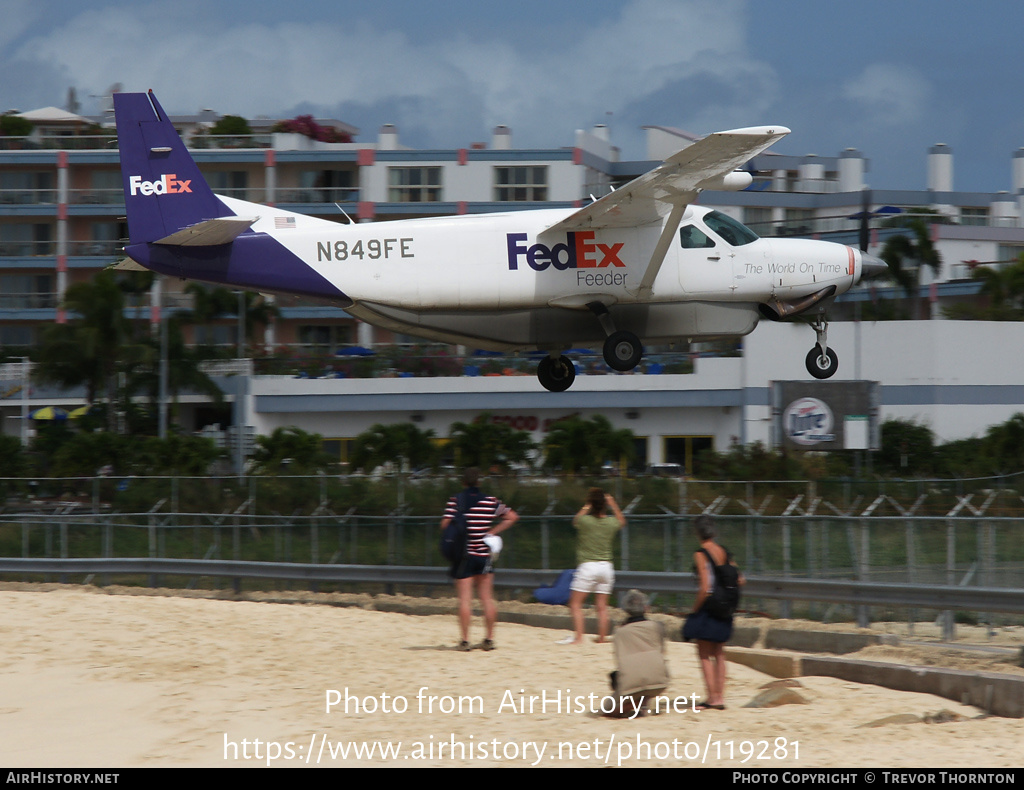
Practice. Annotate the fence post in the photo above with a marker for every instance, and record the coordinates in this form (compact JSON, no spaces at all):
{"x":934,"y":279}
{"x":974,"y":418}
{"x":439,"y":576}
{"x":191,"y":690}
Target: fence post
{"x":948,"y":620}
{"x":864,"y":574}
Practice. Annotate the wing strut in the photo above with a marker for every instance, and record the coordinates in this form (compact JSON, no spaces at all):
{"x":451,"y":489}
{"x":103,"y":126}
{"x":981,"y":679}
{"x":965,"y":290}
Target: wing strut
{"x":646,"y":288}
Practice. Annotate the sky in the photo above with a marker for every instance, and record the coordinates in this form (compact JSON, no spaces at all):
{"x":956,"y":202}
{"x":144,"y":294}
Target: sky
{"x":890,"y":78}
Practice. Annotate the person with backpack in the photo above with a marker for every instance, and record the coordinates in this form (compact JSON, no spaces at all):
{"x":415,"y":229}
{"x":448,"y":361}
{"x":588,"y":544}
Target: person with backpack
{"x":710,"y":622}
{"x":468,"y":527}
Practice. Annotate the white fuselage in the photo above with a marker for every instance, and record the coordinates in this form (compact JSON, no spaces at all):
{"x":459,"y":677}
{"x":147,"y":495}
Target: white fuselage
{"x":498,"y":280}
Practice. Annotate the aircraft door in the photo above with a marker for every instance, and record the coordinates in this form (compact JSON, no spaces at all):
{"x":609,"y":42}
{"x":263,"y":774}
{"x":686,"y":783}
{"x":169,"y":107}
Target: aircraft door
{"x":705,"y":265}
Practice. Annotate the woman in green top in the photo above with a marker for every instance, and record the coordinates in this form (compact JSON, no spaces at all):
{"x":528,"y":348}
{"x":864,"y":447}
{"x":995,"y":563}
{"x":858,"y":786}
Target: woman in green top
{"x":595,"y":527}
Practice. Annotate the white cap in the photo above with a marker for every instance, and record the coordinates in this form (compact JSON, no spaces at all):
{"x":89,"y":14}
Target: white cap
{"x":494,"y":543}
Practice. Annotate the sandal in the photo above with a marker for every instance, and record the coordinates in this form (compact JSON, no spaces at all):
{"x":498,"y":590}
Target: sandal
{"x":487,"y":644}
{"x":464,"y":646}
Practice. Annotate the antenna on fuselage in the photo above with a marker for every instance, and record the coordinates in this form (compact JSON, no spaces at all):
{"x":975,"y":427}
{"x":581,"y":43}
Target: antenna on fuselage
{"x":350,"y":222}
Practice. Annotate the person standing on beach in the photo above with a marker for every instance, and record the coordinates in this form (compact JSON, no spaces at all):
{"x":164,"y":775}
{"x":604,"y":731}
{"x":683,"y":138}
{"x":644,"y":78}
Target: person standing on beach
{"x":596,"y":525}
{"x":710,"y":631}
{"x":475,"y":570}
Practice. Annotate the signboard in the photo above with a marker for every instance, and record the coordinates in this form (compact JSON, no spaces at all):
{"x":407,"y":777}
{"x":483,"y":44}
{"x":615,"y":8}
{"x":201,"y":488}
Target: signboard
{"x":825,"y":415}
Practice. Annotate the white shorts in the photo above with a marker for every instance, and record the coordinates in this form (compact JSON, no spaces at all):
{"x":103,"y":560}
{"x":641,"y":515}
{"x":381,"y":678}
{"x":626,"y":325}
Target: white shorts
{"x":594,"y":577}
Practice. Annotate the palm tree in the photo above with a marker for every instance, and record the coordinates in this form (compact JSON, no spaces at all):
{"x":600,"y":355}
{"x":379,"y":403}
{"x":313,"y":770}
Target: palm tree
{"x":88,"y":350}
{"x":292,"y":450}
{"x":184,"y":369}
{"x":1004,"y":287}
{"x":906,"y":254}
{"x":484,"y":443}
{"x":209,"y":304}
{"x":400,"y":443}
{"x":576,"y":444}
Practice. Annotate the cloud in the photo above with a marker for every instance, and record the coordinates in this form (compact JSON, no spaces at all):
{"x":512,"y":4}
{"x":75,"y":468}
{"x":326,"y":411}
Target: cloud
{"x":686,"y":61}
{"x":889,"y":94}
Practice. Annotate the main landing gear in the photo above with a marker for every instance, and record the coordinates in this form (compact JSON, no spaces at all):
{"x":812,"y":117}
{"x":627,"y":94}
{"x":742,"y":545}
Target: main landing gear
{"x":556,"y":373}
{"x":821,"y":361}
{"x":622,"y":351}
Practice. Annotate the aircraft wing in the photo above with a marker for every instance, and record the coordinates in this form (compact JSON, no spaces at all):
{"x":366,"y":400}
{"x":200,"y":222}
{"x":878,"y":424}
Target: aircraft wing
{"x":707,"y":164}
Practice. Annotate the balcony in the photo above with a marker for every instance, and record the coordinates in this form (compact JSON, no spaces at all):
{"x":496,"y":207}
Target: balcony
{"x":28,"y":301}
{"x":318,"y":195}
{"x":27,"y":197}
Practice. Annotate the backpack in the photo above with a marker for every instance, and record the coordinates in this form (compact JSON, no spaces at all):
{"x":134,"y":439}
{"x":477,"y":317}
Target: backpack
{"x":725,"y":595}
{"x":455,"y":537}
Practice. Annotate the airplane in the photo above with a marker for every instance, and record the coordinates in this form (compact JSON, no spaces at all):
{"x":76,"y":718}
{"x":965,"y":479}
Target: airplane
{"x":643,"y":263}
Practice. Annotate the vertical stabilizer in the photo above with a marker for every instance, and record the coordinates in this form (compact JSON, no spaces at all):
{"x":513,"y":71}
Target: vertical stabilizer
{"x":163,"y":188}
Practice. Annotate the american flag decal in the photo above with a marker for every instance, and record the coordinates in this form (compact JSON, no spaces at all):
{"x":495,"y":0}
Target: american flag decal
{"x":284,"y":222}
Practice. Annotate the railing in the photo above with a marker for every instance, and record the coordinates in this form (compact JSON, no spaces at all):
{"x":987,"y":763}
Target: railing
{"x":100,"y":196}
{"x":96,"y":249}
{"x":27,"y":249}
{"x":28,"y":301}
{"x":918,"y":596}
{"x":318,"y":195}
{"x":58,"y":142}
{"x":27,"y":197}
{"x":230,"y":141}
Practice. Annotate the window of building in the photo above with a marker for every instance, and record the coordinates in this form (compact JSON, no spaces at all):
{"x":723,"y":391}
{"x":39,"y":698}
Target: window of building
{"x":22,"y":186}
{"x":799,"y":222}
{"x":216,"y":334}
{"x":686,"y":451}
{"x":512,"y":184}
{"x":758,"y":219}
{"x":26,"y":239}
{"x":17,"y":335}
{"x":414,"y":184}
{"x":974,"y":216}
{"x":325,"y":338}
{"x":27,"y":291}
{"x":327,"y":186}
{"x":106,"y":239}
{"x":104,"y":187}
{"x":232,"y":183}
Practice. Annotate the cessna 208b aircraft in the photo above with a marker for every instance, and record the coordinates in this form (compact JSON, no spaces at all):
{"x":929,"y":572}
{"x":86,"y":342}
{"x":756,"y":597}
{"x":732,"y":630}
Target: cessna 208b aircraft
{"x":641,"y":264}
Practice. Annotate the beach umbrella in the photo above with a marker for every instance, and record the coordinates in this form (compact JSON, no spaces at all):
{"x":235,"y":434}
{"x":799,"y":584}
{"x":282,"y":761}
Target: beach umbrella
{"x":81,"y":411}
{"x":49,"y":413}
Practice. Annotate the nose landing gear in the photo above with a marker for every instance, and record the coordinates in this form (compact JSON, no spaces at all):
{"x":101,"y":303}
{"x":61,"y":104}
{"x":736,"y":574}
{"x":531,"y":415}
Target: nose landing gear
{"x":822,"y":362}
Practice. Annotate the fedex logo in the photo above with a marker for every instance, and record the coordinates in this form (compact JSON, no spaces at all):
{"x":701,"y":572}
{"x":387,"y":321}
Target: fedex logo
{"x":168,"y":184}
{"x":578,"y":252}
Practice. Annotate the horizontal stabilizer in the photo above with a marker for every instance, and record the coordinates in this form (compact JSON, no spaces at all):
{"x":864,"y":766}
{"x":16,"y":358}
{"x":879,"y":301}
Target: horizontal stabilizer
{"x":127,"y":265}
{"x":209,"y":233}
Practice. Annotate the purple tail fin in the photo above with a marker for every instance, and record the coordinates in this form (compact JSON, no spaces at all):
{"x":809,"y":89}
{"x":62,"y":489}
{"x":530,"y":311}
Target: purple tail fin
{"x":163,"y":188}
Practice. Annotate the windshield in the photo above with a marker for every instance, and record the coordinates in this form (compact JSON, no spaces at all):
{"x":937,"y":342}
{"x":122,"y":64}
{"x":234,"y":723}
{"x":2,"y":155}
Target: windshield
{"x":732,"y":232}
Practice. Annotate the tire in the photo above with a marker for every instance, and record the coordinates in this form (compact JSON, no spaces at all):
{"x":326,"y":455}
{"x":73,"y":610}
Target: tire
{"x":622,"y":350}
{"x":821,"y":367}
{"x":556,"y":375}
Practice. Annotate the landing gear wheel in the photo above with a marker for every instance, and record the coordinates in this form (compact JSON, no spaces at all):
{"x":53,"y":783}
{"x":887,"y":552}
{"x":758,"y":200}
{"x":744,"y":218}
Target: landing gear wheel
{"x":556,"y":375}
{"x":822,"y":367}
{"x":622,"y":350}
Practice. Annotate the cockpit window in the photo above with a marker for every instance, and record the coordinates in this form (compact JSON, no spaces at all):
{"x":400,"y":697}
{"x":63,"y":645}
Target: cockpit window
{"x":732,"y":232}
{"x":691,"y":237}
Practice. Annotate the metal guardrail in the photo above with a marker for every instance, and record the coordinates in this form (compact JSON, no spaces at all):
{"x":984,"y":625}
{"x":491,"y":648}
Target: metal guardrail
{"x":922,"y":596}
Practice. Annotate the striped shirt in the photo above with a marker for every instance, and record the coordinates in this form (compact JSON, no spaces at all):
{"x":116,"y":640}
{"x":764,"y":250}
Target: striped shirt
{"x":479,"y":520}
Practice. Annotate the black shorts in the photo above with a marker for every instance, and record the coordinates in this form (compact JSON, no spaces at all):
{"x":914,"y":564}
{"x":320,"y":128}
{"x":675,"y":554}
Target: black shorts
{"x":472,"y":566}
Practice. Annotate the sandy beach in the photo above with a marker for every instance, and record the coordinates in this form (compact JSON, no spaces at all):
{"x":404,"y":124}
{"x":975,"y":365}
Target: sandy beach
{"x":94,"y":679}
